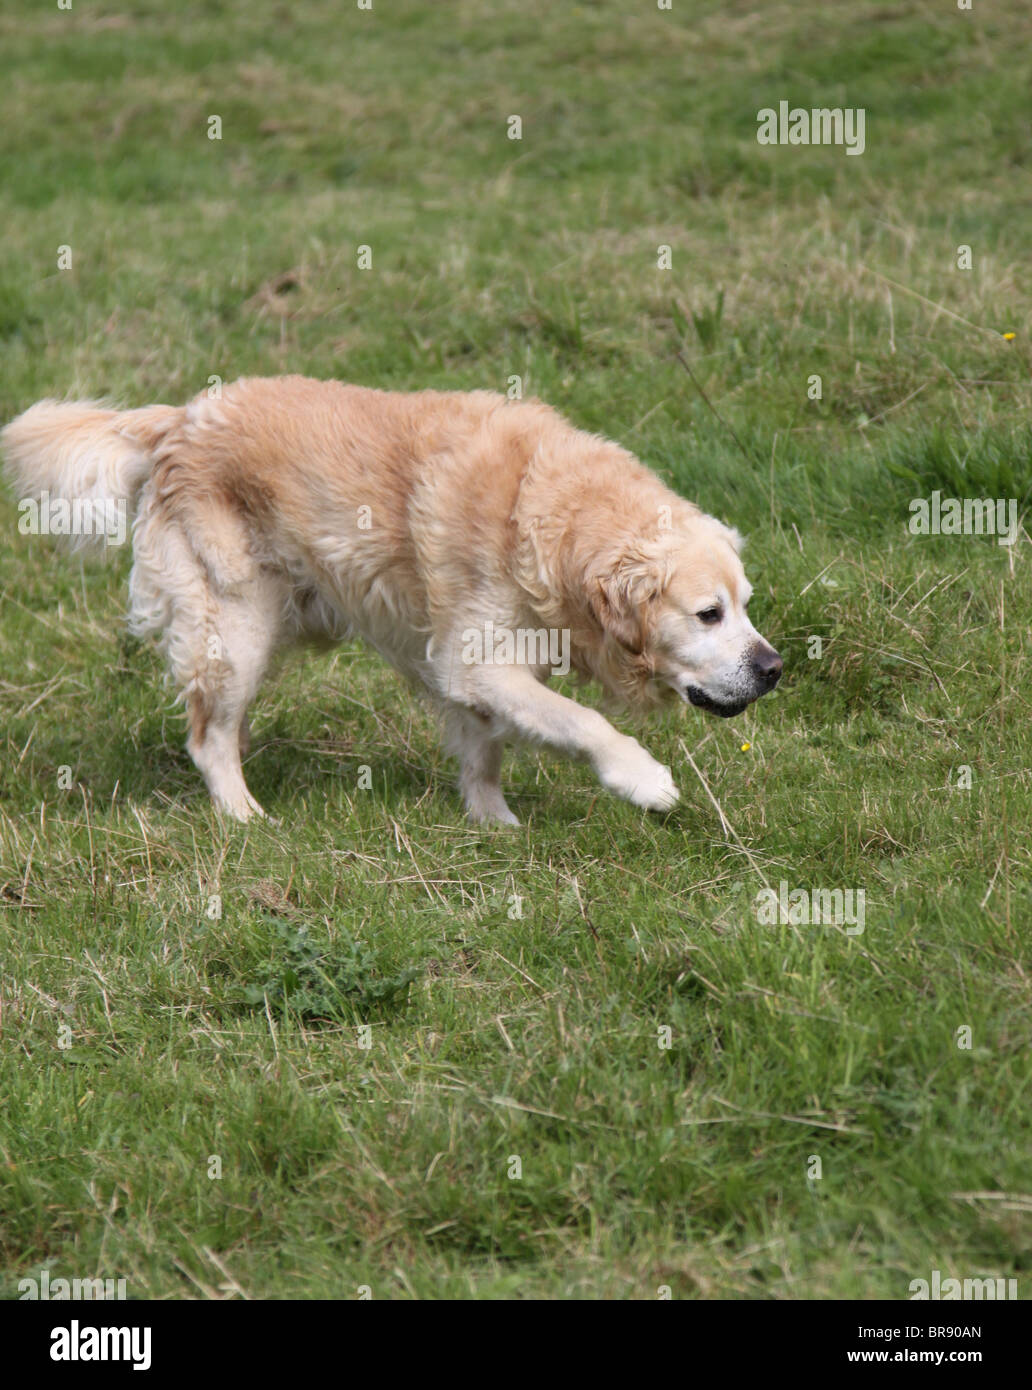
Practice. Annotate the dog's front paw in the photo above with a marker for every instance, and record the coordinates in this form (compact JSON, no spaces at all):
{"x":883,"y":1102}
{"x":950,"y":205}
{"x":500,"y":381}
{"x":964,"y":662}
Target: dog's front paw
{"x":632,"y":773}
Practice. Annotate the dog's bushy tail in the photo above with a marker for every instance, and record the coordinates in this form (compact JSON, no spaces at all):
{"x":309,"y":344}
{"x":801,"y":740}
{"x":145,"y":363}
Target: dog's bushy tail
{"x":84,"y":462}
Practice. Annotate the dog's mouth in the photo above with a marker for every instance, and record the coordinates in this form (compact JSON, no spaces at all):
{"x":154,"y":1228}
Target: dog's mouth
{"x":726,"y":709}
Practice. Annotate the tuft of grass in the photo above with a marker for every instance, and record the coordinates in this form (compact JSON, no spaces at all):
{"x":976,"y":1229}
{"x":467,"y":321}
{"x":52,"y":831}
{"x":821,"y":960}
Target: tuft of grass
{"x":312,"y":982}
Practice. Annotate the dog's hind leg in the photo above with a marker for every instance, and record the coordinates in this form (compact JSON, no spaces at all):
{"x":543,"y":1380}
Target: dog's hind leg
{"x":214,"y":745}
{"x":471,"y":739}
{"x":241,"y":632}
{"x":218,"y":617}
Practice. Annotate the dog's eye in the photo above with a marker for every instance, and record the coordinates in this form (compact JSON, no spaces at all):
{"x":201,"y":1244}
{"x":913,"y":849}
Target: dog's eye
{"x":709,"y":615}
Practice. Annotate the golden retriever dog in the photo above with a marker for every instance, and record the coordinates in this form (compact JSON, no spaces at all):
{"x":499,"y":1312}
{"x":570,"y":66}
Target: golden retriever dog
{"x":477,"y":543}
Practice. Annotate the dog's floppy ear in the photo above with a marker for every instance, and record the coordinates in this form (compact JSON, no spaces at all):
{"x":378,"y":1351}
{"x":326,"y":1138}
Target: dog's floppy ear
{"x":621,"y":601}
{"x":617,"y":616}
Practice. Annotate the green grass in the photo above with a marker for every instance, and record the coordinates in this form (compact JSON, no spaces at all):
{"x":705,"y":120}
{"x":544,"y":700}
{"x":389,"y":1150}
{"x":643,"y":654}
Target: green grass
{"x":514,"y":985}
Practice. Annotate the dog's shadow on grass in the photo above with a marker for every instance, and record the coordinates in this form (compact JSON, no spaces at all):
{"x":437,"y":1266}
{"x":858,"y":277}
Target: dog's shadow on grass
{"x":284,"y":764}
{"x":147,"y":763}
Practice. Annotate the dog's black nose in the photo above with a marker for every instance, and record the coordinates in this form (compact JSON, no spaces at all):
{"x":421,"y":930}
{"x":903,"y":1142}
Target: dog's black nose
{"x":767,"y":665}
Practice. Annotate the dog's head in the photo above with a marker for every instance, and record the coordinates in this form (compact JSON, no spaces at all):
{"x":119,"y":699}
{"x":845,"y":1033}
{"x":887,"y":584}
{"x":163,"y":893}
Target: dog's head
{"x":672,"y":614}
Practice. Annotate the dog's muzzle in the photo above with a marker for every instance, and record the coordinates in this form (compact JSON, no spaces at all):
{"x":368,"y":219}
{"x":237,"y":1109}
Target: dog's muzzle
{"x":763,"y":668}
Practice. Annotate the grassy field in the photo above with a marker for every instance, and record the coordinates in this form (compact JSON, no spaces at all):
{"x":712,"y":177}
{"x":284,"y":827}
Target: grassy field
{"x":367,"y":1012}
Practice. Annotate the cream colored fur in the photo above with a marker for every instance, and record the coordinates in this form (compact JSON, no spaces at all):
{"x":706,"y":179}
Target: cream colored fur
{"x":292,"y":509}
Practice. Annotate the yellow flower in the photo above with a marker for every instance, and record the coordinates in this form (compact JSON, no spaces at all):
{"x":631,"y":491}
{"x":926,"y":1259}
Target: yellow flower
{"x":1010,"y":337}
{"x":746,"y":747}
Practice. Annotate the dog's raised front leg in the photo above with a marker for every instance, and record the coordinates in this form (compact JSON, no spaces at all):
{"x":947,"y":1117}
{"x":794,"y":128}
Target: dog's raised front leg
{"x":522,"y":707}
